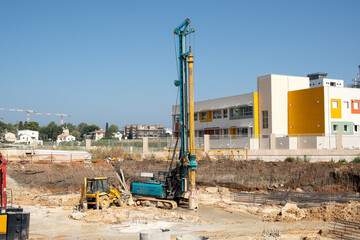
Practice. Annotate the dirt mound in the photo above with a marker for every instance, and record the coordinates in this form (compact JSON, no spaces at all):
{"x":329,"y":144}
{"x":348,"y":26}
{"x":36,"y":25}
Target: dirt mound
{"x":348,"y":211}
{"x":260,"y":175}
{"x":238,"y":175}
{"x":109,"y":216}
{"x":56,"y":177}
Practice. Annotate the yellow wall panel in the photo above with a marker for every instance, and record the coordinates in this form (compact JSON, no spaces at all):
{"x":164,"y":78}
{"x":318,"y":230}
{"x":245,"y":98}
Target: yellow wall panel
{"x":256,"y":115}
{"x":335,"y":108}
{"x":306,"y":111}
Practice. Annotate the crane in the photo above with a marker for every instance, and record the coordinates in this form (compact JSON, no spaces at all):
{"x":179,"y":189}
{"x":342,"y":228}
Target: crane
{"x":62,"y":115}
{"x":20,"y":110}
{"x":179,"y":183}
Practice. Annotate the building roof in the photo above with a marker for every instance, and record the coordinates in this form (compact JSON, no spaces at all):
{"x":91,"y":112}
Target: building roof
{"x":98,"y":131}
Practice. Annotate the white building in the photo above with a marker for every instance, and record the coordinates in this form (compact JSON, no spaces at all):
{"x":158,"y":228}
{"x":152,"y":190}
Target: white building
{"x":8,"y":136}
{"x":284,"y":108}
{"x":320,"y":80}
{"x":232,"y":116}
{"x":97,"y":135}
{"x":65,"y":137}
{"x":27,"y":136}
{"x":118,"y":135}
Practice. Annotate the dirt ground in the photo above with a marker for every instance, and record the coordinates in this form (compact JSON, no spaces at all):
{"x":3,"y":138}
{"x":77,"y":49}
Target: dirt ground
{"x":50,"y":191}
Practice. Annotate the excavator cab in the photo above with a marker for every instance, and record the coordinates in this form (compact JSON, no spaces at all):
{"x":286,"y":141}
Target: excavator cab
{"x":94,"y":185}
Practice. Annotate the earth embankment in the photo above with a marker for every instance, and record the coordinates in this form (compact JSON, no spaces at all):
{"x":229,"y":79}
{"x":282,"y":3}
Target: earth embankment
{"x":244,"y":175}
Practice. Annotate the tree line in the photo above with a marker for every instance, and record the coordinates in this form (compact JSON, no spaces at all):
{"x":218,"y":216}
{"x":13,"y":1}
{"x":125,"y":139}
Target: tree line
{"x":52,"y":130}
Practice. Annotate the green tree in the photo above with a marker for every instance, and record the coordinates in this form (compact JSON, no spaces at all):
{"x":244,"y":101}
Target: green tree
{"x":51,"y":131}
{"x":21,"y":126}
{"x":76,"y":134}
{"x":3,"y":127}
{"x":113,"y":129}
{"x":90,"y":128}
{"x":69,"y":126}
{"x":81,"y":126}
{"x":11,"y":128}
{"x":33,"y":126}
{"x":107,"y":134}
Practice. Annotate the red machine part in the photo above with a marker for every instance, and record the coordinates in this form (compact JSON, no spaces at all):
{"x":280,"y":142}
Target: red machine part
{"x":3,"y":199}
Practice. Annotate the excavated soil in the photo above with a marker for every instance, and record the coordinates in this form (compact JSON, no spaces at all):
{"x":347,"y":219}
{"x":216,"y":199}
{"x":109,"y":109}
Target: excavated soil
{"x":244,"y":175}
{"x":260,"y":175}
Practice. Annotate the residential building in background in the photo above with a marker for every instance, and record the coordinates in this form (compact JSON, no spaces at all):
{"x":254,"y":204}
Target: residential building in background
{"x":140,"y":131}
{"x":65,"y":136}
{"x":27,"y":136}
{"x":8,"y":137}
{"x":117,"y":135}
{"x":97,"y":135}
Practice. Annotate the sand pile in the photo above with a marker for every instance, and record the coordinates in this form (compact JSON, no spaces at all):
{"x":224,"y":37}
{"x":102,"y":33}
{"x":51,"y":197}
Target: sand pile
{"x":349,"y":211}
{"x":104,"y":216}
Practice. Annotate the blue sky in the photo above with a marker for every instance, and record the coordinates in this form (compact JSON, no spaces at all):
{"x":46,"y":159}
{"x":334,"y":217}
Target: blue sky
{"x":114,"y":61}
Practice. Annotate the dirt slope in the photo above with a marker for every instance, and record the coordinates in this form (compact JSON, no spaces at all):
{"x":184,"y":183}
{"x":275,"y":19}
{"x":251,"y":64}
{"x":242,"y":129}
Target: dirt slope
{"x":245,"y":175}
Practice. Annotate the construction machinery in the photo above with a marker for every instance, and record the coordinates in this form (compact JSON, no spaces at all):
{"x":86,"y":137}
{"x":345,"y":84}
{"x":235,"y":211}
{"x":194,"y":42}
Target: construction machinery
{"x":177,"y":184}
{"x":97,"y":193}
{"x":14,"y":223}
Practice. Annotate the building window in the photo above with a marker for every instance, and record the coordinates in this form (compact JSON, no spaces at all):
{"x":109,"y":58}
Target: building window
{"x":335,"y":104}
{"x":346,"y":104}
{"x":217,"y":114}
{"x":246,"y":111}
{"x":356,"y":105}
{"x":225,"y":132}
{"x":177,"y":118}
{"x":203,"y":115}
{"x":356,"y":128}
{"x":265,"y":119}
{"x":196,"y":116}
{"x":225,"y":113}
{"x":346,"y":128}
{"x":335,"y":127}
{"x":243,"y":132}
{"x":234,"y":112}
{"x":332,"y":84}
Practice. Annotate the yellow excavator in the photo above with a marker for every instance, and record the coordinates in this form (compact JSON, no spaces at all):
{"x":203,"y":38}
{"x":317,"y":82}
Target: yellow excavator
{"x":97,"y":193}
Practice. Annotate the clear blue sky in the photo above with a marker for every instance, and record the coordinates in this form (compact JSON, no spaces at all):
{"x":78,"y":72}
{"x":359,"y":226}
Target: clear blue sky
{"x":114,"y":61}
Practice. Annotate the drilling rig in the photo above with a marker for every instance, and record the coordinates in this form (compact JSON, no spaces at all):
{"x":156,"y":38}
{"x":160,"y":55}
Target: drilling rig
{"x":179,"y":182}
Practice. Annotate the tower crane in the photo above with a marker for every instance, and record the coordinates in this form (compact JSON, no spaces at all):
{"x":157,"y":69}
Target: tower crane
{"x":62,"y":115}
{"x":20,"y":110}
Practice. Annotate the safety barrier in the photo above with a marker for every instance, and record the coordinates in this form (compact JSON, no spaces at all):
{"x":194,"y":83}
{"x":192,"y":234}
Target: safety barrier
{"x":213,"y":154}
{"x":345,"y":230}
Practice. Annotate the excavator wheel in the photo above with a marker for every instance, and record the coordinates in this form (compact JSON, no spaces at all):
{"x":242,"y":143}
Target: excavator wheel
{"x":119,"y":202}
{"x":104,"y":202}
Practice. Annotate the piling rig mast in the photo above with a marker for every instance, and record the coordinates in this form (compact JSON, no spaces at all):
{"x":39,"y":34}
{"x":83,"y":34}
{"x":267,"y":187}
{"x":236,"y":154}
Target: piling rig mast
{"x":179,"y":182}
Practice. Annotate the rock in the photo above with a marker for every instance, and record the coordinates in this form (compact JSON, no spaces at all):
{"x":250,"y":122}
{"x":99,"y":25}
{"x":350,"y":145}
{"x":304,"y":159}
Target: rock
{"x":292,"y":212}
{"x":212,"y":190}
{"x":323,"y":232}
{"x":299,"y":190}
{"x":77,"y":215}
{"x":191,"y":237}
